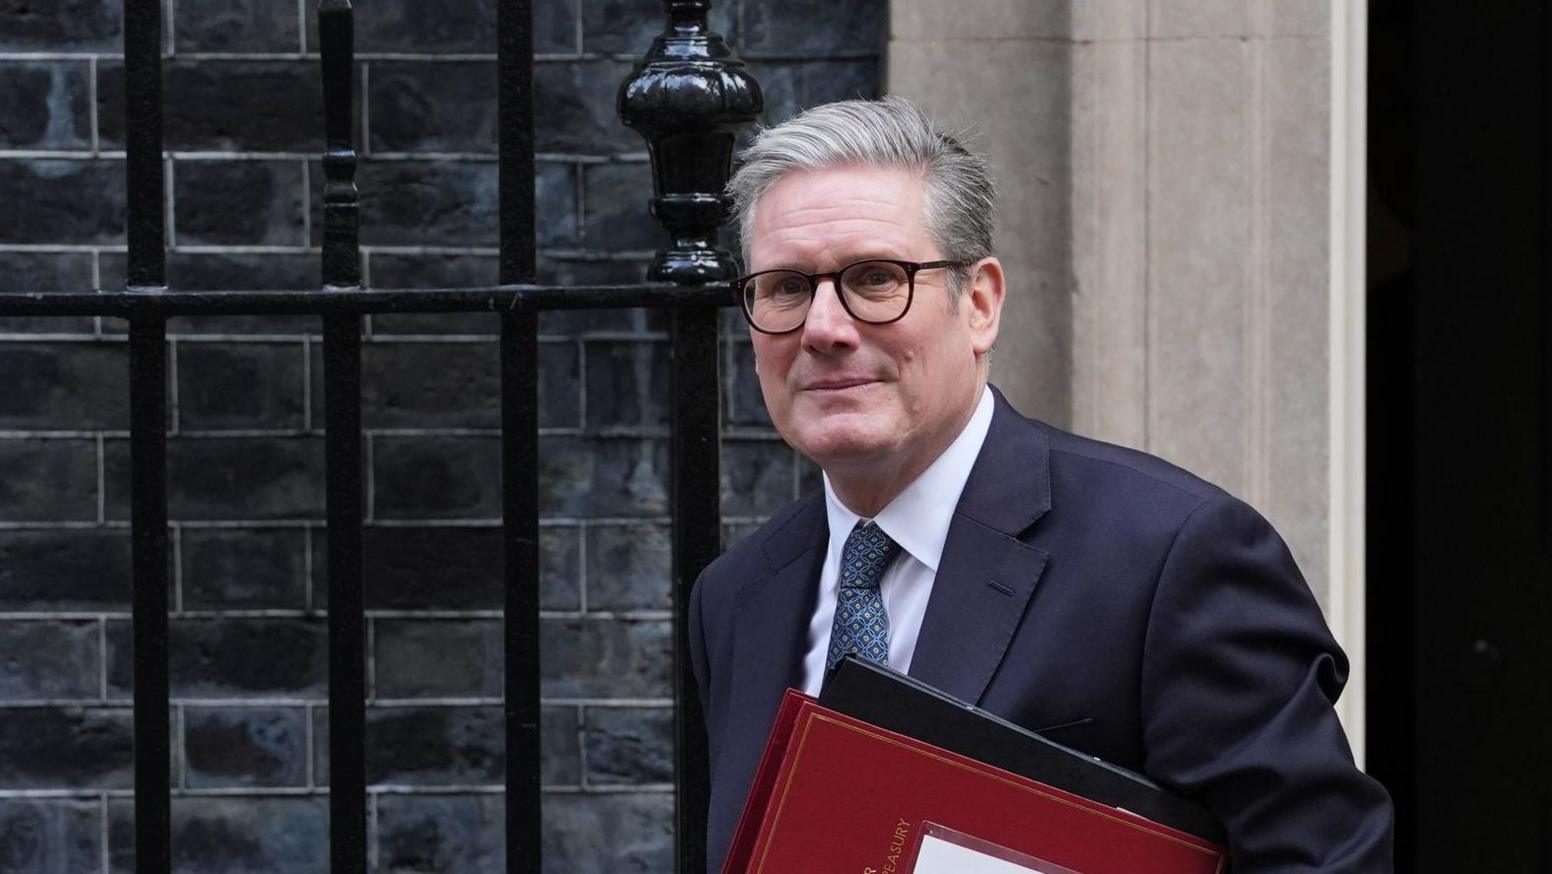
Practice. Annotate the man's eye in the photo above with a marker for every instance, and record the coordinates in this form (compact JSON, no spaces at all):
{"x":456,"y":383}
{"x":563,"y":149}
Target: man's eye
{"x":877,"y":277}
{"x":791,"y":286}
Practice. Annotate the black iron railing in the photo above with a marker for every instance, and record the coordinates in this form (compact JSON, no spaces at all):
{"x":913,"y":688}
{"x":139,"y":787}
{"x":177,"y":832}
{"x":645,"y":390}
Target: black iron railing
{"x":688,"y":98}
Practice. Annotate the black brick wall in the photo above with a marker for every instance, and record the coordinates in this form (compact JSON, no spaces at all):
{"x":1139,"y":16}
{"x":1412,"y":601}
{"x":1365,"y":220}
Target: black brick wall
{"x":248,"y":648}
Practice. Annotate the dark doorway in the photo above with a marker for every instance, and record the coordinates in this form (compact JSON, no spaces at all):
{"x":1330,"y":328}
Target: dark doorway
{"x":1460,"y":403}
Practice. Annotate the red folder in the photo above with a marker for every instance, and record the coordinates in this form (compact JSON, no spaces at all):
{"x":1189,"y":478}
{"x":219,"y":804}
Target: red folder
{"x":834,"y":793}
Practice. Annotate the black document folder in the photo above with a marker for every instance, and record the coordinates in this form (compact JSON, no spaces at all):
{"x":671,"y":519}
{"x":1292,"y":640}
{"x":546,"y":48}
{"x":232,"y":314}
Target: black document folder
{"x":898,"y":703}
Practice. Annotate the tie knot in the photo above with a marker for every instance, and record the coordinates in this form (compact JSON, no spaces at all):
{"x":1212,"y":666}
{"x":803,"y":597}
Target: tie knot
{"x":867,"y":552}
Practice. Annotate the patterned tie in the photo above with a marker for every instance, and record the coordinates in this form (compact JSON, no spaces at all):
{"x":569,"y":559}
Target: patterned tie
{"x":861,"y":625}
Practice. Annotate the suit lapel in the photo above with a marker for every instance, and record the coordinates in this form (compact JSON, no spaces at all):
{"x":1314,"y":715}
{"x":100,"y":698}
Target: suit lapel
{"x":986,"y":575}
{"x":774,"y":612}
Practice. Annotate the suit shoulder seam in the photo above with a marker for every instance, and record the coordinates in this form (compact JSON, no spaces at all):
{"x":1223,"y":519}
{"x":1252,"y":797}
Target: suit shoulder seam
{"x":1203,"y":494}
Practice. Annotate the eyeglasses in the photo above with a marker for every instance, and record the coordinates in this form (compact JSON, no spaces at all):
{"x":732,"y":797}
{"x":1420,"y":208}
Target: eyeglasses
{"x":877,"y":291}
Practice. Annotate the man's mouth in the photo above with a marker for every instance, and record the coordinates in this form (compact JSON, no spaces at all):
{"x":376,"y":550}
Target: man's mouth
{"x":838,"y":383}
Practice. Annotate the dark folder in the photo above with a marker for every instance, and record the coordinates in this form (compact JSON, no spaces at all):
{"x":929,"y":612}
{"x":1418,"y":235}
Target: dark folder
{"x":898,"y":703}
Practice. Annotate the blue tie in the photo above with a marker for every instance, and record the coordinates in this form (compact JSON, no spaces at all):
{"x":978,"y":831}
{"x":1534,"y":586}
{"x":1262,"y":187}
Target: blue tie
{"x":861,"y":625}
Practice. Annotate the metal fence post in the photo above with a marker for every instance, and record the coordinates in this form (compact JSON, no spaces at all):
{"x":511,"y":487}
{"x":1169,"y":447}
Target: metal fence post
{"x":689,"y":97}
{"x":519,"y":439}
{"x":147,"y":274}
{"x":342,"y":449}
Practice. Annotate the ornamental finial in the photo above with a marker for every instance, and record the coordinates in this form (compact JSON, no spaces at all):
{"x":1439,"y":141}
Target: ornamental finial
{"x":689,"y":97}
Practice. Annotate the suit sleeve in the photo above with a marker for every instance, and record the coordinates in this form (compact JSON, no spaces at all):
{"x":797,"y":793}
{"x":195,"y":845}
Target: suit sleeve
{"x":1238,"y":681}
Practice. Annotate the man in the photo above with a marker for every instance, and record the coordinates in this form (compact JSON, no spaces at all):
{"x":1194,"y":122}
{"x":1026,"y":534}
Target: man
{"x":1116,"y":603}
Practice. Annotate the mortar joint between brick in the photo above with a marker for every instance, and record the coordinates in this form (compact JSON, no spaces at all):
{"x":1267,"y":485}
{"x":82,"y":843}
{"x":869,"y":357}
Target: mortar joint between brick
{"x":253,"y":792}
{"x":372,"y":833}
{"x":597,"y":789}
{"x":169,"y":206}
{"x":366,"y":111}
{"x":581,"y":382}
{"x":371,"y":658}
{"x":102,"y":658}
{"x":80,"y":794}
{"x":64,"y":526}
{"x":579,"y":193}
{"x":96,"y":254}
{"x":169,"y":36}
{"x":102,"y":479}
{"x":58,"y":248}
{"x":102,"y":833}
{"x":244,"y":250}
{"x":368,"y":326}
{"x":582,"y":781}
{"x":309,"y":742}
{"x":309,"y":587}
{"x":91,"y":98}
{"x":425,"y":790}
{"x":9,"y":434}
{"x":301,"y":26}
{"x":183,"y":746}
{"x":307,"y":383}
{"x":82,"y":339}
{"x":177,"y":566}
{"x":81,"y":156}
{"x":173,"y":418}
{"x":307,"y":201}
{"x":582,"y":537}
{"x":369,"y":439}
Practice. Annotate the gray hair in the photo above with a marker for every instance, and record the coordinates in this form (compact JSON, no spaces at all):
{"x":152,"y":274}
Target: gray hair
{"x":890,"y":132}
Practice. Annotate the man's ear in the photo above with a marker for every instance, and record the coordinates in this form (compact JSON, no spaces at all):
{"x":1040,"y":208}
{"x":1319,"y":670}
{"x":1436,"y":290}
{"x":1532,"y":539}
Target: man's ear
{"x":982,"y":299}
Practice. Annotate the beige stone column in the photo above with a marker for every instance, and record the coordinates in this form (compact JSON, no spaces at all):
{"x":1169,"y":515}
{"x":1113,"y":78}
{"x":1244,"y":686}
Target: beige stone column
{"x":999,"y":68}
{"x":1164,"y":170}
{"x":1168,"y":217}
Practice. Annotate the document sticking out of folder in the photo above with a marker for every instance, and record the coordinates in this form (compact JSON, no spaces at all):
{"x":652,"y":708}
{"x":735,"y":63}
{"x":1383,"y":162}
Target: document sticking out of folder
{"x":835,"y":792}
{"x":945,"y":851}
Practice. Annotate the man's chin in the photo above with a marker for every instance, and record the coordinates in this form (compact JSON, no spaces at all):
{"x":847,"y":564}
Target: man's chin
{"x":846,"y":450}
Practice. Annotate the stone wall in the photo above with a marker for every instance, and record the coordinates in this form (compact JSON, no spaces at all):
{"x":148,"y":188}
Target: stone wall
{"x":248,"y":645}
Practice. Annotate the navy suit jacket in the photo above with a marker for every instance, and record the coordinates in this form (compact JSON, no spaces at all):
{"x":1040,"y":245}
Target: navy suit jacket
{"x":1106,"y":597}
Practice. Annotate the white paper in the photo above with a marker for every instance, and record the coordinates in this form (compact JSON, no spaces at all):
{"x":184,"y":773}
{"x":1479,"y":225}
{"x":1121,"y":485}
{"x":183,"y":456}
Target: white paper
{"x":942,"y":857}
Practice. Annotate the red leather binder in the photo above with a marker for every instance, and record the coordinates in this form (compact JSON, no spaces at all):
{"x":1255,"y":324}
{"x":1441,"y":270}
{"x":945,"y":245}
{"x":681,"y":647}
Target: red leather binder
{"x":834,"y":793}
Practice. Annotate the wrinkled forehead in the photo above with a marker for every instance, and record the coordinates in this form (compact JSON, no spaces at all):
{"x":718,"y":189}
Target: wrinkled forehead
{"x":824,"y":218}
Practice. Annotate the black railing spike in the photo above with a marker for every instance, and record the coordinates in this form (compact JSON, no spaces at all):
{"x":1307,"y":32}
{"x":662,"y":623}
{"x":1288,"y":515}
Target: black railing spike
{"x":341,"y":212}
{"x":146,"y":227}
{"x":689,"y":97}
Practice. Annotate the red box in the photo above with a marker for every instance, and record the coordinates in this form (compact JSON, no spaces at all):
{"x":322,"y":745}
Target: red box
{"x":833,"y":793}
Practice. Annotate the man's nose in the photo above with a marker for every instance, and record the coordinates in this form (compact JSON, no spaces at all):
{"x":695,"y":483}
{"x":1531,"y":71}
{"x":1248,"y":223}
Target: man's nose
{"x":828,"y":324}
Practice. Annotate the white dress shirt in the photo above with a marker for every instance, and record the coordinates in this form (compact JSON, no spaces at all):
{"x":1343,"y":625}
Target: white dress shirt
{"x":918,"y":520}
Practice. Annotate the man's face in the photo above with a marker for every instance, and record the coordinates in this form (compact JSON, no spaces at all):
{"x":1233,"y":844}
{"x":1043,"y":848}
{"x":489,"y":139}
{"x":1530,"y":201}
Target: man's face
{"x":863,"y":399}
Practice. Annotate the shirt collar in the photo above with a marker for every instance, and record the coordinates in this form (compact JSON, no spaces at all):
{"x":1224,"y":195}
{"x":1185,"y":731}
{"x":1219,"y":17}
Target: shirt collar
{"x":918,"y":518}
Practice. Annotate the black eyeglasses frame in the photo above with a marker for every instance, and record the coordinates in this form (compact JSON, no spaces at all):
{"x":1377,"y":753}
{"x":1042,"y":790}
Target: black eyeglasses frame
{"x":911,"y":268}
